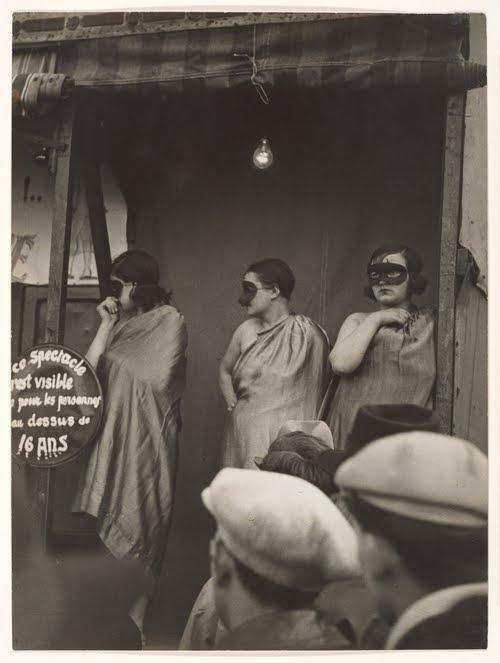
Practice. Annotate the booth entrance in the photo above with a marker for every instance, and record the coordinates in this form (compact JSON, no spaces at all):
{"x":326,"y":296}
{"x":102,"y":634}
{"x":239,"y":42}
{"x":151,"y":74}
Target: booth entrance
{"x":351,"y":172}
{"x":353,"y":169}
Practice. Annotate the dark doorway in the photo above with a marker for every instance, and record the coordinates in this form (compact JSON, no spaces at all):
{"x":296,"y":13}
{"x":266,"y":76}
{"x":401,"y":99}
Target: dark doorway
{"x":351,"y":172}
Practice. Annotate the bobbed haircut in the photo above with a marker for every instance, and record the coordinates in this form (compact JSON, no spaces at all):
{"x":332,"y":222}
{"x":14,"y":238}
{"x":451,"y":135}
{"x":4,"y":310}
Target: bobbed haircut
{"x":274,"y":272}
{"x":295,"y":454}
{"x":414,"y":264}
{"x":437,"y":555}
{"x":139,"y":267}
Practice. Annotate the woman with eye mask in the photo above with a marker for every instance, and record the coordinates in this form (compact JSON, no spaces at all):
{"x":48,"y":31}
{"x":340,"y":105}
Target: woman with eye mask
{"x":275,"y":367}
{"x":139,"y":353}
{"x":386,"y":356}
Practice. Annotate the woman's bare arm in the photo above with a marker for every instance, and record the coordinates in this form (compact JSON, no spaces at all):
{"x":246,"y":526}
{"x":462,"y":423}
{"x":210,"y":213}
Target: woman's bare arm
{"x":356,"y":334}
{"x":108,"y":312}
{"x":229,"y":359}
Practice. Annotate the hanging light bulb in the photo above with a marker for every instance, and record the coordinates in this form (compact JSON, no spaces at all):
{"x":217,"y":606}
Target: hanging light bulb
{"x":263,"y":156}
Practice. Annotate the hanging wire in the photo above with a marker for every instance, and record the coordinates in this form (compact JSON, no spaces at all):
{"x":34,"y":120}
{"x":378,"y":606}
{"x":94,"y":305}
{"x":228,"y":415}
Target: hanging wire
{"x":253,"y":78}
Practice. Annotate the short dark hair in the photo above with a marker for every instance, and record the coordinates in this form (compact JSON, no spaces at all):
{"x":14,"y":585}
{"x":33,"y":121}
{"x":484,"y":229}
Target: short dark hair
{"x":414,"y":264}
{"x":271,"y":593}
{"x":295,"y":454}
{"x":437,"y":555}
{"x":137,"y":266}
{"x":308,"y":446}
{"x":274,"y":272}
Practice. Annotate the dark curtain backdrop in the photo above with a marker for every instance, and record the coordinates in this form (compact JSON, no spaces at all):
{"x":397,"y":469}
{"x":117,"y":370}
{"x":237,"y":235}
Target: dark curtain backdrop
{"x":351,"y":171}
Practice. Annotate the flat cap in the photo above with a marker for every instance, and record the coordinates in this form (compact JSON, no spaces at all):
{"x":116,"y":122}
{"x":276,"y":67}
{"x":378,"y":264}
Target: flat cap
{"x":421,"y":475}
{"x":282,"y":528}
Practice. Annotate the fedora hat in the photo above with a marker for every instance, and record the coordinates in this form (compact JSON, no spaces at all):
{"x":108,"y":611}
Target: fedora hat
{"x":373,"y":422}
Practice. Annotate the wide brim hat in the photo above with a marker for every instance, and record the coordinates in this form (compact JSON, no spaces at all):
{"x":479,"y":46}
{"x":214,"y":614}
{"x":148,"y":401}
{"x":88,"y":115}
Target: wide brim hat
{"x":373,"y":422}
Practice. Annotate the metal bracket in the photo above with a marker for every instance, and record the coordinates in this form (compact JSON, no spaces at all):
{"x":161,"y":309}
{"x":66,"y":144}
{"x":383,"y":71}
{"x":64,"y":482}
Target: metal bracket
{"x":34,"y":94}
{"x":41,"y":141}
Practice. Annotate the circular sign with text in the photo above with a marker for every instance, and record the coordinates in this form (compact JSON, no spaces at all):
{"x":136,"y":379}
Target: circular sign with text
{"x":56,"y":405}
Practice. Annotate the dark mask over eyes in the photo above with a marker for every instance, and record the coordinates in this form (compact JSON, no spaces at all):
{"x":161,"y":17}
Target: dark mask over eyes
{"x":116,"y":288}
{"x":386,"y":273}
{"x":249,"y":290}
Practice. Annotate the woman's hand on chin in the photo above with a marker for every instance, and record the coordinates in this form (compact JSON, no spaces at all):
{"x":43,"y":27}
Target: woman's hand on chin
{"x":108,"y":311}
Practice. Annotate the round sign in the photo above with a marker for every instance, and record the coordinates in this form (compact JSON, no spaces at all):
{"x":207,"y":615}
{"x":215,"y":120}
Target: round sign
{"x":56,"y":405}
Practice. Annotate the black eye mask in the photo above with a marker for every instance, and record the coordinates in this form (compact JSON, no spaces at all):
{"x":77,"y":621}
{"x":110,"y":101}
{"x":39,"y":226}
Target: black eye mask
{"x":386,"y":273}
{"x":116,"y":288}
{"x":249,"y":291}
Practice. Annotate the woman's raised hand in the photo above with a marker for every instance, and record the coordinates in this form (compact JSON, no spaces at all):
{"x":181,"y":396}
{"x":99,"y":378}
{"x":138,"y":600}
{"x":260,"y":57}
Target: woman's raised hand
{"x":108,"y":311}
{"x":392,"y":316}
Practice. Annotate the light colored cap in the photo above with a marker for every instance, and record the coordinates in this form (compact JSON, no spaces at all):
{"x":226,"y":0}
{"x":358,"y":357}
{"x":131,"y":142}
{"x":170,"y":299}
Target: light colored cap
{"x":421,"y":475}
{"x":282,"y":528}
{"x":314,"y":427}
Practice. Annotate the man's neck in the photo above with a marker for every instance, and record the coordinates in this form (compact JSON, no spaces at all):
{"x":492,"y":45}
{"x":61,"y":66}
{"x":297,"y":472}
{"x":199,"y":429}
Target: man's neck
{"x":244,"y":608}
{"x":408,"y":592}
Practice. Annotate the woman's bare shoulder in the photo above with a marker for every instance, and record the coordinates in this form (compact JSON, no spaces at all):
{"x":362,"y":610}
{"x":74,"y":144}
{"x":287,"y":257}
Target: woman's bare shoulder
{"x":246,"y":333}
{"x":249,"y":326}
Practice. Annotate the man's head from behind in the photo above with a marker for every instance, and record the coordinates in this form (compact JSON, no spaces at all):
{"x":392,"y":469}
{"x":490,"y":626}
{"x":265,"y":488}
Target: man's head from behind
{"x":279,"y":541}
{"x":296,"y":454}
{"x":420,"y":504}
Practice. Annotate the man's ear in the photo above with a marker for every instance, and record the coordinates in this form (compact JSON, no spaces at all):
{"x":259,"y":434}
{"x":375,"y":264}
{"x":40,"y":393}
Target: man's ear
{"x":223,"y":568}
{"x":378,"y":557}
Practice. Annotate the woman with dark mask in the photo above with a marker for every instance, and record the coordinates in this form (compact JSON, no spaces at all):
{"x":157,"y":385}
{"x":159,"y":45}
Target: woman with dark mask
{"x":386,"y":356}
{"x":139,"y":353}
{"x":275,"y":367}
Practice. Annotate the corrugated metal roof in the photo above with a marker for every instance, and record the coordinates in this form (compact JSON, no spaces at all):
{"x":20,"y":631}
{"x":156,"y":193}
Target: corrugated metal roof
{"x":38,"y":28}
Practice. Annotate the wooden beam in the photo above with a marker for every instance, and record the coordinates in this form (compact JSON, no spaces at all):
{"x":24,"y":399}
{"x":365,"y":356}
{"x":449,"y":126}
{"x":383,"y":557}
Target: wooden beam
{"x":58,"y":276}
{"x":95,"y":200}
{"x":61,"y":229}
{"x":450,"y":227}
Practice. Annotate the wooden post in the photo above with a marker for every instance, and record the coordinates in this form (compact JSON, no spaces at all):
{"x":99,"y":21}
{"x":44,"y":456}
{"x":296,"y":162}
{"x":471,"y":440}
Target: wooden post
{"x":450,"y":227}
{"x":58,"y":274}
{"x":95,"y":199}
{"x":61,"y":229}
